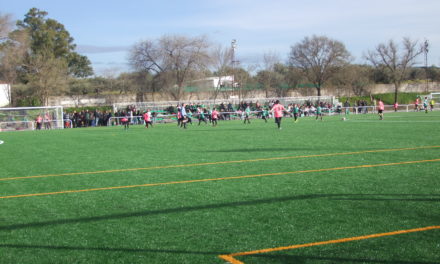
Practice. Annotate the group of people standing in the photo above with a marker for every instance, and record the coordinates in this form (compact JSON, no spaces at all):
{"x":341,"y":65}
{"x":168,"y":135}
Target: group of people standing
{"x":45,"y":120}
{"x":86,"y":118}
{"x":146,"y":117}
{"x":185,"y":116}
{"x":426,"y":102}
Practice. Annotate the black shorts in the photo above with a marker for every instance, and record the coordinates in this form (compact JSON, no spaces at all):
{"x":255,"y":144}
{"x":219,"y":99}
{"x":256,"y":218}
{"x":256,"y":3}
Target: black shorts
{"x":380,"y":111}
{"x":278,"y":120}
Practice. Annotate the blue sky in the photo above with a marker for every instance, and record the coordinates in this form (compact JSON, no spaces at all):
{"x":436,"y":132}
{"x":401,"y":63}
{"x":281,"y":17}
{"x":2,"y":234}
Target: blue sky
{"x":105,"y":30}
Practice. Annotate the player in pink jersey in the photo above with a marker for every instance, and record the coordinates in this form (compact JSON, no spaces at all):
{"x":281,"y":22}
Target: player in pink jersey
{"x":416,"y":104}
{"x":381,"y":108}
{"x":147,"y":118}
{"x":179,"y":116}
{"x":278,"y":111}
{"x":39,"y":121}
{"x":214,"y":117}
{"x":125,"y":121}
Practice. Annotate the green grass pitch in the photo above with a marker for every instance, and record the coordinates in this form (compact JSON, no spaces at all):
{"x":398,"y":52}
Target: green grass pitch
{"x":242,"y":188}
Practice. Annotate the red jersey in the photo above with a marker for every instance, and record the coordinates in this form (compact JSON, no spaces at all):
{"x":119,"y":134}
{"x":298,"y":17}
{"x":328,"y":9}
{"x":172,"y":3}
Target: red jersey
{"x":214,"y":114}
{"x":381,"y":106}
{"x":147,"y":117}
{"x":278,"y":110}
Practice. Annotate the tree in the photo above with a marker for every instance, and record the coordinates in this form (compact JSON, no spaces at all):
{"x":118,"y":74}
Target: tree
{"x":354,"y":78}
{"x":244,"y":82}
{"x":395,"y":62}
{"x":13,"y":48}
{"x":48,"y":35}
{"x":434,"y":73}
{"x":319,"y":57}
{"x":5,"y":26}
{"x":268,"y":78}
{"x":140,"y":83}
{"x":290,"y":79}
{"x":77,"y":88}
{"x":175,"y":60}
{"x":79,"y":65}
{"x":221,"y":60}
{"x":46,"y":75}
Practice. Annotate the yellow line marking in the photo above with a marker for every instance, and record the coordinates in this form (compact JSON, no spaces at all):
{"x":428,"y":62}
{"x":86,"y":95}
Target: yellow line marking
{"x":231,"y":257}
{"x":219,"y":179}
{"x":215,"y":163}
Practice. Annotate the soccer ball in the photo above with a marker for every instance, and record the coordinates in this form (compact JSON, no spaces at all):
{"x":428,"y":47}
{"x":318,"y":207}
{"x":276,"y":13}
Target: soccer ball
{"x":343,"y":119}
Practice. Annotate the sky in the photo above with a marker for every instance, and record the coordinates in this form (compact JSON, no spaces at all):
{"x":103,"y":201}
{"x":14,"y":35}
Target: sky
{"x":105,"y":31}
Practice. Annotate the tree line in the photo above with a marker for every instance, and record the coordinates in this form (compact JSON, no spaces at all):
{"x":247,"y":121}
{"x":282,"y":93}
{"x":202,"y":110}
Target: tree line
{"x":38,"y":57}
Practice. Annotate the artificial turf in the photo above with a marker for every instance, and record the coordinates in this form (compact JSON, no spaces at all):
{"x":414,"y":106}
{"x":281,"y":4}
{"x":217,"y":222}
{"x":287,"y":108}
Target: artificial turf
{"x":304,"y":183}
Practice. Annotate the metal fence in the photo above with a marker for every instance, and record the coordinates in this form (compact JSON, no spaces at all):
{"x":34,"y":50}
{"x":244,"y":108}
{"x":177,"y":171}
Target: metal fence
{"x":162,"y":105}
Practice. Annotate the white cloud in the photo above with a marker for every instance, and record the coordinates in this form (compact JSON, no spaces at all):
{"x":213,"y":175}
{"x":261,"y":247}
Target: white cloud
{"x":89,"y":49}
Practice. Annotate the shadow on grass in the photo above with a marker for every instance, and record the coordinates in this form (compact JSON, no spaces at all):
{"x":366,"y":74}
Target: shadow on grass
{"x":354,"y":197}
{"x":110,"y":249}
{"x":390,"y":198}
{"x":307,"y":259}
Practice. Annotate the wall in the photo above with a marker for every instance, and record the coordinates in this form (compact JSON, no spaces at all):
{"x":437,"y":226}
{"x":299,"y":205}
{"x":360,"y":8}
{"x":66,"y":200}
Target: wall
{"x":5,"y":92}
{"x":79,"y":101}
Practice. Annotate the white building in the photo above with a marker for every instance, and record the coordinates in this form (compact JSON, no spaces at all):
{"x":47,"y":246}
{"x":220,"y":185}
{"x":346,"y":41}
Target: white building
{"x":5,"y":94}
{"x":212,"y":83}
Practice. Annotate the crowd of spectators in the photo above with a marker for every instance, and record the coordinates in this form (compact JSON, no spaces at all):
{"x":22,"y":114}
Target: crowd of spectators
{"x":86,"y":118}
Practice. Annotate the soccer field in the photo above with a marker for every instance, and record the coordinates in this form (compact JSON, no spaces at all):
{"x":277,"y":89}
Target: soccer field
{"x":368,"y":189}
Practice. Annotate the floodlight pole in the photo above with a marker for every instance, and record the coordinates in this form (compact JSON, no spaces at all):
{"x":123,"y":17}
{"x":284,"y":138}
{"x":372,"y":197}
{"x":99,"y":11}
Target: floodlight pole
{"x":233,"y":47}
{"x":425,"y":51}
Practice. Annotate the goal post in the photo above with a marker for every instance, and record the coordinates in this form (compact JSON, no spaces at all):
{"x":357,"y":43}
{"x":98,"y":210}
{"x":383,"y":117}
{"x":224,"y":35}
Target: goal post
{"x":24,"y":118}
{"x":435,"y":96}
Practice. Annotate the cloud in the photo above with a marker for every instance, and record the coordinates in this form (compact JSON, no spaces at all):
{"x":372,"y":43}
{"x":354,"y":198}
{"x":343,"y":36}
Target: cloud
{"x":88,"y":49}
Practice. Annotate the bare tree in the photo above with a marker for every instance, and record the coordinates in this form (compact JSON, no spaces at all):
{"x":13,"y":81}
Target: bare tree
{"x":244,"y":81}
{"x":110,"y":75}
{"x":268,"y":78}
{"x":354,"y":79}
{"x":221,"y":59}
{"x":6,"y":25}
{"x":13,"y":48}
{"x":395,"y":61}
{"x":77,"y":88}
{"x":174,"y":59}
{"x":139,"y":83}
{"x":47,"y":76}
{"x":288,"y":78}
{"x":319,"y":57}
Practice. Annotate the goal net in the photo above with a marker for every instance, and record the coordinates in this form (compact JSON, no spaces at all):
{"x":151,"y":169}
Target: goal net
{"x":435,"y":96}
{"x":25,"y":118}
